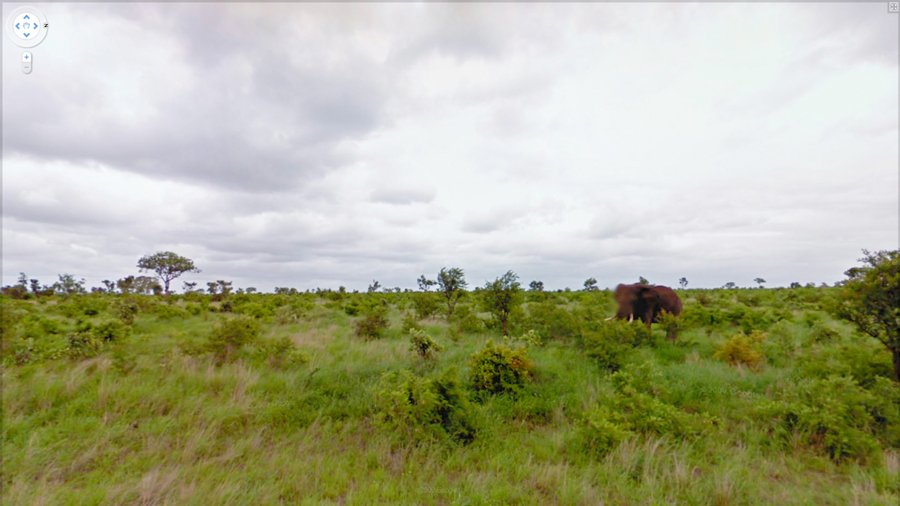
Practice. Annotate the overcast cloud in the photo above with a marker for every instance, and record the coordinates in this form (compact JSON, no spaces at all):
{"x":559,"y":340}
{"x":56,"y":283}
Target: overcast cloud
{"x":315,"y":145}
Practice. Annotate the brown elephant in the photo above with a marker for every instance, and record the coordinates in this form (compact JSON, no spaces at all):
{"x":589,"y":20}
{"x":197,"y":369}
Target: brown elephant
{"x":646,"y":302}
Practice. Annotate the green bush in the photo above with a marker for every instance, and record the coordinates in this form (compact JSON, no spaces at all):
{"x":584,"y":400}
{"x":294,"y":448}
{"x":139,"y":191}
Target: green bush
{"x":126,"y":309}
{"x":638,"y":407}
{"x":110,"y":330}
{"x":605,"y":350}
{"x":742,"y":349}
{"x":83,"y":342}
{"x":834,"y":416}
{"x":499,"y":368}
{"x":279,"y":353}
{"x":423,"y":344}
{"x":466,"y":321}
{"x":254,"y":310}
{"x":599,"y":435}
{"x":410,"y":323}
{"x":552,"y":321}
{"x":419,"y":408}
{"x":230,"y":335}
{"x":425,"y":304}
{"x":373,"y":323}
{"x":170,"y":312}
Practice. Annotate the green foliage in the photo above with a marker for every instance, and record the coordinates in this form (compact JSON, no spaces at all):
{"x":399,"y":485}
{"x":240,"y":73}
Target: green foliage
{"x":637,"y":407}
{"x":373,"y":323}
{"x":230,"y":335}
{"x":125,"y":309}
{"x":551,"y":321}
{"x":423,"y":344}
{"x":466,"y":321}
{"x":422,"y":409}
{"x":742,"y":349}
{"x":425,"y":304}
{"x":670,"y":323}
{"x":451,"y":285}
{"x":499,"y":368}
{"x":599,"y":435}
{"x":279,"y":353}
{"x":110,"y":330}
{"x":529,"y":338}
{"x":500,"y":297}
{"x":167,"y":266}
{"x":169,"y":312}
{"x":835,"y":416}
{"x":871,"y":300}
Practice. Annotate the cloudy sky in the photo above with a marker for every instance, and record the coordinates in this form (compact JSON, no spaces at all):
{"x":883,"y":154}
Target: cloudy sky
{"x":321,"y":145}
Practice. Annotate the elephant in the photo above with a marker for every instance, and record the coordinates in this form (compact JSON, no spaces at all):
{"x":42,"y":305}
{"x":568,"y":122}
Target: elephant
{"x":646,"y":302}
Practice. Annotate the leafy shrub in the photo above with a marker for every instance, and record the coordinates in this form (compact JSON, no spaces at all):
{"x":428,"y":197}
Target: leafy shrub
{"x":425,"y":304}
{"x":292,"y":313}
{"x":670,"y":323}
{"x":170,"y":312}
{"x":833,"y":415}
{"x":599,"y":435}
{"x":605,"y":350}
{"x":230,"y":335}
{"x":466,"y":321}
{"x":126,"y":309}
{"x":410,"y":323}
{"x":424,"y":409}
{"x":822,"y":333}
{"x":110,"y":330}
{"x":637,"y":407}
{"x":499,"y":368}
{"x":83,"y":343}
{"x":552,"y":321}
{"x":423,"y":344}
{"x":530,"y":338}
{"x":373,"y":323}
{"x":194,"y":308}
{"x":254,"y":310}
{"x":280,"y":353}
{"x":742,"y":349}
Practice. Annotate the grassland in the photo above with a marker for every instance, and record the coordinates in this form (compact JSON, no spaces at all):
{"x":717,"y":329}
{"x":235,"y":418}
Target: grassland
{"x":764,"y":398}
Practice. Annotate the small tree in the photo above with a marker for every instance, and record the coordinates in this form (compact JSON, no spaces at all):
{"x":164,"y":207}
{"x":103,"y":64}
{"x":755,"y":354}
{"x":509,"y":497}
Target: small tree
{"x":759,"y":281}
{"x":536,"y":286}
{"x":871,"y":299}
{"x":643,"y":281}
{"x":590,"y":285}
{"x":425,"y":284}
{"x":683,"y":282}
{"x":729,"y":285}
{"x":451,"y":283}
{"x":501,"y":296}
{"x":167,"y":266}
{"x":68,"y":285}
{"x":189,"y":286}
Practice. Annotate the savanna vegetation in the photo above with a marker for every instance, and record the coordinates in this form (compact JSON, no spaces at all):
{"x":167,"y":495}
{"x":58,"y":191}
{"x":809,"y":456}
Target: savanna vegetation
{"x":494,"y":395}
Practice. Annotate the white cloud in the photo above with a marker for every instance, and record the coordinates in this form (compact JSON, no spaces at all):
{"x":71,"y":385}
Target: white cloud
{"x":718,"y":141}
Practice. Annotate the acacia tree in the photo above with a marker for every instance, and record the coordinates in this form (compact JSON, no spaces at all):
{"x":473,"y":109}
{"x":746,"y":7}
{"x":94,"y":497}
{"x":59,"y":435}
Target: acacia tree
{"x":536,"y":286}
{"x":590,"y":285}
{"x":501,"y":296}
{"x":683,"y":282}
{"x":759,"y":281}
{"x":167,"y":266}
{"x":451,"y":283}
{"x":871,"y":299}
{"x":425,"y":284}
